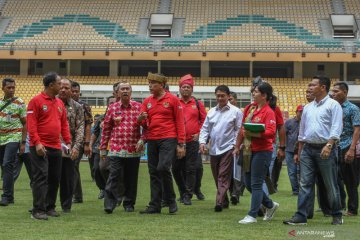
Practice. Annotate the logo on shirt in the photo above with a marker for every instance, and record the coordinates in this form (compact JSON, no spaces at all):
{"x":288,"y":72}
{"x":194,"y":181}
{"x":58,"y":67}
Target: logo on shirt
{"x":166,"y":104}
{"x":148,"y":106}
{"x":272,"y":122}
{"x":45,"y":108}
{"x":60,"y":109}
{"x":257,"y":119}
{"x":193,"y":107}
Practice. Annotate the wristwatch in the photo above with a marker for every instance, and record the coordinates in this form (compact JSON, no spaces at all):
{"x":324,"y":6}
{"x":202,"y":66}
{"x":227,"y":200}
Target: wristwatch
{"x":181,"y":144}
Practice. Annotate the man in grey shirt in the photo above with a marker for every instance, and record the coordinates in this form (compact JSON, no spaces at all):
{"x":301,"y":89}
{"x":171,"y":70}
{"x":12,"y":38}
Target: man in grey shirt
{"x":320,"y":129}
{"x":292,"y":132}
{"x":221,"y":126}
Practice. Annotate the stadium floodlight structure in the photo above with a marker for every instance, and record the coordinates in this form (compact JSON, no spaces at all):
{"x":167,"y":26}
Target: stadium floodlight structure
{"x":344,"y":25}
{"x":160,"y":24}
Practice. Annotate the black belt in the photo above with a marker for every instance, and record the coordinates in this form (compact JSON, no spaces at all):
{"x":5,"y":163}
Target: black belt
{"x":316,"y":145}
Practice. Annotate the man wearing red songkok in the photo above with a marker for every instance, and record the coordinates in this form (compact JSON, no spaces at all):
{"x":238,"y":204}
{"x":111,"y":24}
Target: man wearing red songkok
{"x":184,"y":169}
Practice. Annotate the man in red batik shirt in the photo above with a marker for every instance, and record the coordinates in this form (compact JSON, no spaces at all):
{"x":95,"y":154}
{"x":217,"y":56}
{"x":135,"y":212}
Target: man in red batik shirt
{"x":123,"y":133}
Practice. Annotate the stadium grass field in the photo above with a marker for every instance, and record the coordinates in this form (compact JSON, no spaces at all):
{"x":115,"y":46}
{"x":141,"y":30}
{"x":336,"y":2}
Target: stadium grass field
{"x":199,"y":221}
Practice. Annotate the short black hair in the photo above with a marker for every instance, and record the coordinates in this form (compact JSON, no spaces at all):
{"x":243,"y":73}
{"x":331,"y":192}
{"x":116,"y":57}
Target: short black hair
{"x":266,"y":88}
{"x":7,"y":80}
{"x":108,"y":99}
{"x":116,"y":85}
{"x":342,"y":85}
{"x":223,"y":88}
{"x":323,"y":80}
{"x":233,"y":94}
{"x":75,"y":84}
{"x":49,"y":77}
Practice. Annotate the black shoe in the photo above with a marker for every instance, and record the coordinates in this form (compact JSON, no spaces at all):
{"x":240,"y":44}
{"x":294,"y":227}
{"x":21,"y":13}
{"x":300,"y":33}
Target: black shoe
{"x":66,"y":210}
{"x":187,"y":200}
{"x":150,"y":210}
{"x":218,"y":208}
{"x":129,"y":209}
{"x":338,"y":220}
{"x":200,"y":196}
{"x":4,"y":202}
{"x":173,"y":208}
{"x":225,"y":205}
{"x":101,"y":194}
{"x":234,"y":200}
{"x":295,"y":221}
{"x":30,"y":210}
{"x":39,"y":216}
{"x":77,"y":200}
{"x":108,"y":210}
{"x":261,"y":212}
{"x":52,"y":213}
{"x":310,"y":217}
{"x":164,"y":204}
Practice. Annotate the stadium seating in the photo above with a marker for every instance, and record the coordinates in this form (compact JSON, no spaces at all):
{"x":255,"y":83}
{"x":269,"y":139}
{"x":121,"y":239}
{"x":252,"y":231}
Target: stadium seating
{"x":231,"y":25}
{"x":352,"y":7}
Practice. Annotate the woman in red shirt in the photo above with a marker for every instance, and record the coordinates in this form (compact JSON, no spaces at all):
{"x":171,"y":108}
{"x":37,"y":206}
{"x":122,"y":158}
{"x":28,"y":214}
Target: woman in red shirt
{"x":258,"y":147}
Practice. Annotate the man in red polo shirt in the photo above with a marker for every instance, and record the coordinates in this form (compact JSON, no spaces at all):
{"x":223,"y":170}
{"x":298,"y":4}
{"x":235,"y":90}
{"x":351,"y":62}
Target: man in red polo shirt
{"x":163,"y":118}
{"x":184,"y":169}
{"x":46,"y":123}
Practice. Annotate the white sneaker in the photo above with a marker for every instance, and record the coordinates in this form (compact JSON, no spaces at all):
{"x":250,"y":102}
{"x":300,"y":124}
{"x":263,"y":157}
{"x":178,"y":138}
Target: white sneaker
{"x":269,"y":214}
{"x":247,"y":220}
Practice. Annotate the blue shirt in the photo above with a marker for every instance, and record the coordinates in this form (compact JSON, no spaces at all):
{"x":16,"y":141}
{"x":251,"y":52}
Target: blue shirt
{"x":321,"y":121}
{"x":222,"y":127}
{"x":351,"y":118}
{"x":292,"y":133}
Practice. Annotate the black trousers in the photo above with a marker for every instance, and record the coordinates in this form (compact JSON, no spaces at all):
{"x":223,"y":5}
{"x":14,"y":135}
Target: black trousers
{"x":46,"y":172}
{"x":350,"y":174}
{"x":237,"y":187}
{"x":78,"y":194}
{"x":19,"y":161}
{"x":122,"y":170}
{"x":99,"y":178}
{"x":91,"y":165}
{"x":161,"y":154}
{"x":184,"y":170}
{"x":275,"y":174}
{"x":67,"y":182}
{"x":198,"y":174}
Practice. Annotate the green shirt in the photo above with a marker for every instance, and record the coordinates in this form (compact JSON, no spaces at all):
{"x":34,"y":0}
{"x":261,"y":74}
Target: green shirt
{"x":10,"y":123}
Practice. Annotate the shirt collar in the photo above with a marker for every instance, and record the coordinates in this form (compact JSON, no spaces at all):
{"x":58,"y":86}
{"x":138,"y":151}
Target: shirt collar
{"x":345,"y":104}
{"x":190,"y":101}
{"x":130,"y":104}
{"x":226,"y":107}
{"x":322,"y":101}
{"x":44,"y":95}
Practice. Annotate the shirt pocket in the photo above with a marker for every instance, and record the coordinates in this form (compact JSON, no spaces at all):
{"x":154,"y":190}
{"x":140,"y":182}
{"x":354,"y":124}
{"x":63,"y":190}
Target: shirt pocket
{"x":118,"y":118}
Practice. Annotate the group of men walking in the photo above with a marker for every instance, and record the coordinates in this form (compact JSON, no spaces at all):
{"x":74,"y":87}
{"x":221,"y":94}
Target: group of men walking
{"x":177,"y":130}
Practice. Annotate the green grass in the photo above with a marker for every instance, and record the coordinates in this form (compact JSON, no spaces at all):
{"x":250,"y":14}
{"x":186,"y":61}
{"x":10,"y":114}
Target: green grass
{"x":199,"y":221}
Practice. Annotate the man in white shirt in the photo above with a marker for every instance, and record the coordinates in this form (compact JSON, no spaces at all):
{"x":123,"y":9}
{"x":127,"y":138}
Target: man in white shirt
{"x":320,"y":129}
{"x":221,"y":126}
